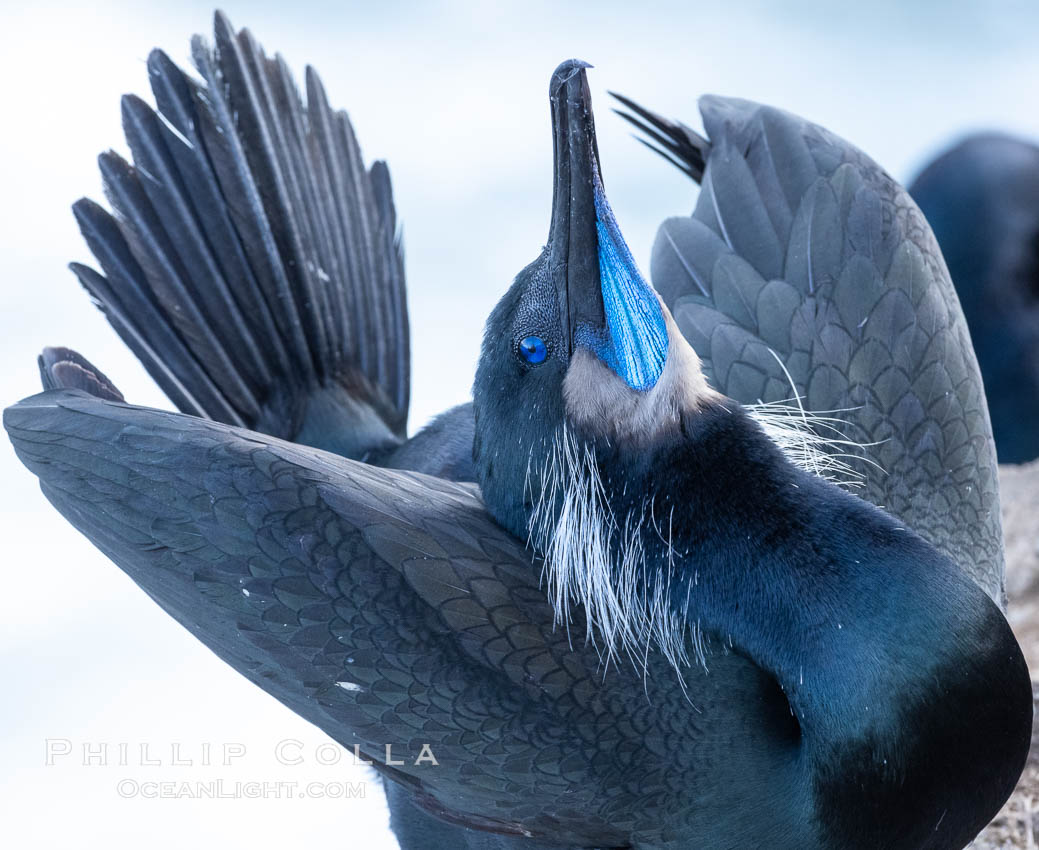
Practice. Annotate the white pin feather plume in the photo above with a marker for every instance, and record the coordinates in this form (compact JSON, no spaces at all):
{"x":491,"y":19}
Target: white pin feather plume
{"x":596,"y":560}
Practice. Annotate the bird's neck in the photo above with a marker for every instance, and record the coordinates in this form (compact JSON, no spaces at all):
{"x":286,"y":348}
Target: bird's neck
{"x":882,"y":646}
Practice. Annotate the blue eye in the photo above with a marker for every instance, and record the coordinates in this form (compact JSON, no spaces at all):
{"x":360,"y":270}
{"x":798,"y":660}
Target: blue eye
{"x":532,"y":349}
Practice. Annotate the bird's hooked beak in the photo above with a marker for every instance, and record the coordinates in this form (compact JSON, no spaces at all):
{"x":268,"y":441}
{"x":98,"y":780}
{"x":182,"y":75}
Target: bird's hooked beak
{"x":606,"y":305}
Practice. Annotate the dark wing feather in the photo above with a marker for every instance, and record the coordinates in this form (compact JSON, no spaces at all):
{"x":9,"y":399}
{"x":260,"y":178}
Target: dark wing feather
{"x":682,"y":147}
{"x":253,"y":262}
{"x":63,"y":368}
{"x":802,"y":246}
{"x":387,"y":607}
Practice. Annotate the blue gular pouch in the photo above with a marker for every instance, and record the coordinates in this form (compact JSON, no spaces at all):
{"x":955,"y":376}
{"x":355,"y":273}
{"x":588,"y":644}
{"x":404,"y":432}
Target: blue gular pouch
{"x":635,"y":343}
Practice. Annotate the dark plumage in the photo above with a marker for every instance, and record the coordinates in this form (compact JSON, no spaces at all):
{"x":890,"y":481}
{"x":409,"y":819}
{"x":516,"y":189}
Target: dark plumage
{"x":981,"y":197}
{"x":252,"y":263}
{"x":791,"y":667}
{"x":65,"y":368}
{"x":802,"y":250}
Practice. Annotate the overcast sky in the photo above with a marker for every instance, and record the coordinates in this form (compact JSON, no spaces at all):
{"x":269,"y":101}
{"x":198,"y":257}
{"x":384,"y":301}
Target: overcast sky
{"x":454,"y":96}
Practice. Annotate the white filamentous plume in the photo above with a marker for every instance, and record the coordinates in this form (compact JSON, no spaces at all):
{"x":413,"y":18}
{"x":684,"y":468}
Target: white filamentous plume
{"x":813,"y":441}
{"x":576,"y":532}
{"x":597,"y":561}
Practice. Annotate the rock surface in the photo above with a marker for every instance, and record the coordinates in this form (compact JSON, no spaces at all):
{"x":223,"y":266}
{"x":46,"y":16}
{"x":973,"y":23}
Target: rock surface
{"x":1017,"y":825}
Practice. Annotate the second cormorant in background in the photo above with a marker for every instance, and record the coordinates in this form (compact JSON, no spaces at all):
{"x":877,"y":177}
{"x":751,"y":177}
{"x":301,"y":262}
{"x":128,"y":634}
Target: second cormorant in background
{"x":981,"y":198}
{"x":770,"y":661}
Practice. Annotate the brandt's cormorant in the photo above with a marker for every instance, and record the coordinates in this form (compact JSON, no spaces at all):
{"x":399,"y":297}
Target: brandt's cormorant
{"x":981,"y":198}
{"x":646,"y":627}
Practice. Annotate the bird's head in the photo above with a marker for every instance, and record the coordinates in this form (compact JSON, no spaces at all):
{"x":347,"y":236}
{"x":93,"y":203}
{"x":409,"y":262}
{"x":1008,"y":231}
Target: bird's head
{"x":580,"y":343}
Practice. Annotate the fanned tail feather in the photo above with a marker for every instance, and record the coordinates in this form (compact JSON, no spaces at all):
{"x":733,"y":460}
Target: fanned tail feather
{"x":683,"y":147}
{"x":252,"y":262}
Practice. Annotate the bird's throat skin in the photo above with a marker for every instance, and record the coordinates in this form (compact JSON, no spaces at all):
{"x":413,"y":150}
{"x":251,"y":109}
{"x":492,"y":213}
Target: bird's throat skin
{"x":604,"y":303}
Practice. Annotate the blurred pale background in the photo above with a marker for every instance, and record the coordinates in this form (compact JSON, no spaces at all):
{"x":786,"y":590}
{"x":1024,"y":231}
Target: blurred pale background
{"x":454,"y":96}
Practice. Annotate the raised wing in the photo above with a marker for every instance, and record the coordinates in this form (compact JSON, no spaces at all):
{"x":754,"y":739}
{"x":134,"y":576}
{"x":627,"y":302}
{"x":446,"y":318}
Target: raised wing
{"x":252,"y":263}
{"x":388,"y":608}
{"x":803,"y":261}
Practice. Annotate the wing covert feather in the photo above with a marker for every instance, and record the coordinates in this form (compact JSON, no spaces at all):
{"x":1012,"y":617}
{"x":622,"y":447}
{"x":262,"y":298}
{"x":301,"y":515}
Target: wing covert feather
{"x":385,"y":607}
{"x":801,"y":245}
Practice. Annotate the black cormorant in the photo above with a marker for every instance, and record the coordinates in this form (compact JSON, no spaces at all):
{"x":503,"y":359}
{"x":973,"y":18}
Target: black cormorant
{"x":647,"y":627}
{"x":981,"y":198}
